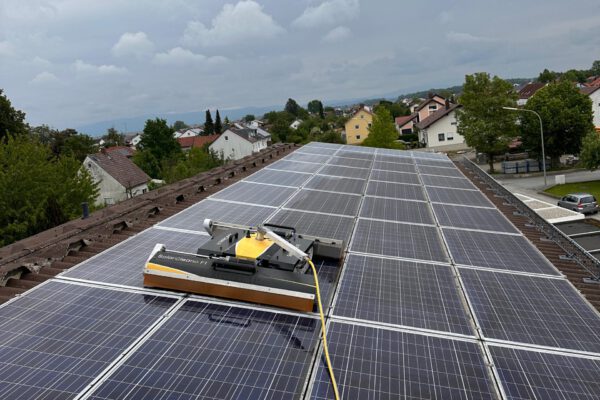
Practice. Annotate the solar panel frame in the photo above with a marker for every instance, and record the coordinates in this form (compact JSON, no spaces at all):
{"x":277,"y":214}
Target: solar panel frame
{"x":255,"y":193}
{"x":395,"y":177}
{"x":324,"y":202}
{"x":280,"y":178}
{"x":403,"y":293}
{"x":396,"y":167}
{"x":395,"y":190}
{"x":316,"y":150}
{"x":396,"y":210}
{"x":435,"y":163}
{"x":473,"y":218}
{"x":440,"y":171}
{"x":336,"y":184}
{"x":294,"y":166}
{"x":355,"y":154}
{"x":402,"y":159}
{"x":315,"y":224}
{"x":448,"y":182}
{"x":346,"y":172}
{"x":306,"y":157}
{"x":458,"y":197}
{"x":349,"y":162}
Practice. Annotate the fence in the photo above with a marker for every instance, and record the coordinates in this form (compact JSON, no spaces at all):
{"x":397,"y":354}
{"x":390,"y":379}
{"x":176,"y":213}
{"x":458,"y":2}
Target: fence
{"x":522,"y":166}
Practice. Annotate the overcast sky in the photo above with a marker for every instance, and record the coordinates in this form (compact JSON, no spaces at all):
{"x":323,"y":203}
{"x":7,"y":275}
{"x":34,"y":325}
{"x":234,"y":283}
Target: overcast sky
{"x":72,"y":62}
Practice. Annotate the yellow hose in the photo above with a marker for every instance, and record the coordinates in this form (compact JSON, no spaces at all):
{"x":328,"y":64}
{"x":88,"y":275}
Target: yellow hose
{"x":323,"y":333}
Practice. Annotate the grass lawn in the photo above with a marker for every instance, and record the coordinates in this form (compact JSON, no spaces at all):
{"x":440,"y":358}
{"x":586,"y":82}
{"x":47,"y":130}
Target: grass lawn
{"x":592,"y":187}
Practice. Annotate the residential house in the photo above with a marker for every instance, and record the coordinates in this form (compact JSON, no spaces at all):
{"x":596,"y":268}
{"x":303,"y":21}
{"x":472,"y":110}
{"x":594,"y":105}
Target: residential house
{"x":429,"y":106}
{"x":117,"y":176}
{"x":593,"y":81}
{"x":404,"y":124}
{"x":357,"y":127}
{"x":188,"y":143}
{"x":123,"y":150}
{"x":237,"y":143}
{"x":594,"y":93}
{"x":438,"y":131}
{"x":187,"y":132}
{"x":294,"y":125}
{"x":527,"y":91}
{"x":133,"y":140}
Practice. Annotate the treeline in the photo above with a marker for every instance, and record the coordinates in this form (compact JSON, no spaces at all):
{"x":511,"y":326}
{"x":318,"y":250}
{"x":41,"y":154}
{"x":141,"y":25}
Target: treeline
{"x":571,"y":75}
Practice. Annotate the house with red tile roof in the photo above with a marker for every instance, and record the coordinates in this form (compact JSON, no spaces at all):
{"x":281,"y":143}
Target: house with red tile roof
{"x":188,"y":143}
{"x":404,"y":124}
{"x":439,"y":130}
{"x":527,"y":91}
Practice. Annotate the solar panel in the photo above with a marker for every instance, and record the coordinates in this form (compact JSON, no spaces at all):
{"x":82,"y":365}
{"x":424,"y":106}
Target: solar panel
{"x":335,"y":170}
{"x":534,"y":310}
{"x":395,"y":158}
{"x":398,"y":240}
{"x":371,"y":363}
{"x":396,"y":210}
{"x":428,"y":170}
{"x":275,"y":177}
{"x":323,"y":225}
{"x":435,"y":163}
{"x":295,"y":166}
{"x":123,"y":263}
{"x":397,"y":167}
{"x":333,"y":203}
{"x":334,"y":146}
{"x":474,"y":218}
{"x":255,"y":193}
{"x":401,"y":293}
{"x":355,"y":154}
{"x":218,"y":352}
{"x":336,"y":184}
{"x":458,"y":196}
{"x":396,"y":177}
{"x":448,"y":182}
{"x":57,"y":338}
{"x":314,"y":158}
{"x":496,"y":251}
{"x":395,"y":190}
{"x":350,"y":162}
{"x":429,"y":156}
{"x":536,"y":375}
{"x":193,"y":217}
{"x":316,"y":150}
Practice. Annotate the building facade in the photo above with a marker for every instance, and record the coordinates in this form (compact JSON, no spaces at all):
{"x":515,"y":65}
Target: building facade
{"x":357,"y":127}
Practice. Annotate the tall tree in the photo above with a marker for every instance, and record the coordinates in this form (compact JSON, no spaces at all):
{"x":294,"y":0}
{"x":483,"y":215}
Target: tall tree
{"x":482,"y":121}
{"x":180,"y":125}
{"x":249,"y":117}
{"x":157,"y":140}
{"x":595,"y":70}
{"x":567,"y":118}
{"x":292,"y":107}
{"x":382,"y":132}
{"x":547,"y":76}
{"x":78,"y":146}
{"x":218,"y":125}
{"x":314,"y":106}
{"x":209,"y":126}
{"x":590,"y":151}
{"x":12,"y":121}
{"x":113,"y":138}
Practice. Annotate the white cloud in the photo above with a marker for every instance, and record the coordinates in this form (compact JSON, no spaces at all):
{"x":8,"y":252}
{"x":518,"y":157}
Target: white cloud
{"x":180,"y":56}
{"x":337,"y":34}
{"x":6,"y":49}
{"x":328,"y":13}
{"x":83,"y":67}
{"x":136,"y":44}
{"x":460,"y":37}
{"x":44,"y":78}
{"x":241,"y":22}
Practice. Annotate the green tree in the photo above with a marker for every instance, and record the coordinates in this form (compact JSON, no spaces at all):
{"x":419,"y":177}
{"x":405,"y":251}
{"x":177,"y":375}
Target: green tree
{"x":315,"y":107}
{"x":147,"y":162}
{"x":158,"y":140}
{"x":382,"y":132}
{"x":197,"y":160}
{"x":395,"y":109}
{"x":595,"y":70}
{"x":547,"y":76}
{"x":39,"y":191}
{"x":481,"y":120}
{"x":179,"y":125}
{"x":249,"y":117}
{"x":113,"y":138}
{"x":226,"y":122}
{"x":575,"y":75}
{"x":567,"y":118}
{"x":590,"y":151}
{"x":78,"y":146}
{"x":218,"y":125}
{"x":292,"y":107}
{"x":209,"y":126}
{"x":12,"y":121}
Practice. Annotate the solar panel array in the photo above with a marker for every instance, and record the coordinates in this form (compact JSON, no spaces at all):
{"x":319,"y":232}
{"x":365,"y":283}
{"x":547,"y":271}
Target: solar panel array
{"x":439,"y":296}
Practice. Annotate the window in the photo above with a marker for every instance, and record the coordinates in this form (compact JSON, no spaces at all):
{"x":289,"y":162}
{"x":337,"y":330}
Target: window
{"x":441,"y":137}
{"x":358,"y":136}
{"x":407,"y":131}
{"x":355,"y":126}
{"x":453,"y":123}
{"x":361,"y":116}
{"x":144,"y":190}
{"x":226,"y":138}
{"x":369,"y":124}
{"x":433,"y":107}
{"x":450,"y":136}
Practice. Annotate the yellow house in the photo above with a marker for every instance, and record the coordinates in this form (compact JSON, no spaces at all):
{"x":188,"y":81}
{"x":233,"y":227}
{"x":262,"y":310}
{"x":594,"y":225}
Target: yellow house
{"x":357,"y":127}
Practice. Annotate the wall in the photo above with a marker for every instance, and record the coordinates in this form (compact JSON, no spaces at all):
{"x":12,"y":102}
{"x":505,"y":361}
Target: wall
{"x":363,"y":120}
{"x":232,"y":146}
{"x":110,"y":191}
{"x":444,"y":125}
{"x":596,"y":107}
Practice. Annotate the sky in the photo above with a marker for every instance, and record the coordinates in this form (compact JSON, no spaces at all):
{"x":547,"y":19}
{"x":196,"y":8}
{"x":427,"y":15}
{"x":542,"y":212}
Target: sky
{"x":68,"y":63}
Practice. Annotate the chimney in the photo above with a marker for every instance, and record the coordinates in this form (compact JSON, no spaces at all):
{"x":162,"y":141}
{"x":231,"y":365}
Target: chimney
{"x":447,"y":104}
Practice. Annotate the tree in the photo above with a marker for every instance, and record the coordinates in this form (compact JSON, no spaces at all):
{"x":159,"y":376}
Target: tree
{"x":574,"y":75}
{"x":292,"y":107}
{"x":395,"y":109}
{"x":547,"y":76}
{"x":315,"y":107}
{"x":382,"y":132}
{"x":179,"y":125}
{"x":78,"y":146}
{"x":218,"y":125}
{"x":39,"y":191}
{"x":249,"y":117}
{"x":113,"y":138}
{"x":157,"y":140}
{"x":226,"y":121}
{"x":590,"y":151}
{"x":209,"y":126}
{"x":567,"y":118}
{"x":595,"y":70}
{"x":481,"y":120}
{"x":12,"y":121}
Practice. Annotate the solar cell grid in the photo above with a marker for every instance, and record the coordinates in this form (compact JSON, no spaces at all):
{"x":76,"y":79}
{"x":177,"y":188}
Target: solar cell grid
{"x":534,"y":310}
{"x":207,"y":351}
{"x":401,"y":293}
{"x":394,"y":152}
{"x":193,"y":217}
{"x":336,"y":184}
{"x":404,"y":159}
{"x":123,"y":263}
{"x":355,"y":154}
{"x":474,"y":218}
{"x":397,"y":167}
{"x":536,"y":375}
{"x":448,"y":182}
{"x":396,"y":210}
{"x":307,"y":157}
{"x":496,"y":251}
{"x":350,"y":162}
{"x":295,"y":166}
{"x":274,"y":177}
{"x":396,"y":177}
{"x":429,"y":156}
{"x":335,"y":170}
{"x":458,"y":196}
{"x":371,"y":363}
{"x":395,"y":190}
{"x":57,"y":338}
{"x":323,"y":225}
{"x":398,"y":240}
{"x":453,"y":172}
{"x":435,"y":163}
{"x":255,"y":193}
{"x":317,"y":201}
{"x":316,"y":150}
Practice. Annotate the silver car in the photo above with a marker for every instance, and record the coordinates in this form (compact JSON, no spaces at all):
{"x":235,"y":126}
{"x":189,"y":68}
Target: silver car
{"x":581,"y":202}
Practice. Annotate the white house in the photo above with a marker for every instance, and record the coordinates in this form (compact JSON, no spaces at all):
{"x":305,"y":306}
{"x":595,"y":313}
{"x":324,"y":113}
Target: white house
{"x":134,"y":140}
{"x":438,"y":131}
{"x":187,"y":132}
{"x":117,"y":176}
{"x":594,"y":93}
{"x":527,"y":91}
{"x":295,"y":124}
{"x":237,"y":143}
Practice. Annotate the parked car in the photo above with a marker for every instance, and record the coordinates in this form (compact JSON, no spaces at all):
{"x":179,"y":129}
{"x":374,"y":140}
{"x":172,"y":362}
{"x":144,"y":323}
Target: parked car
{"x":581,"y":202}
